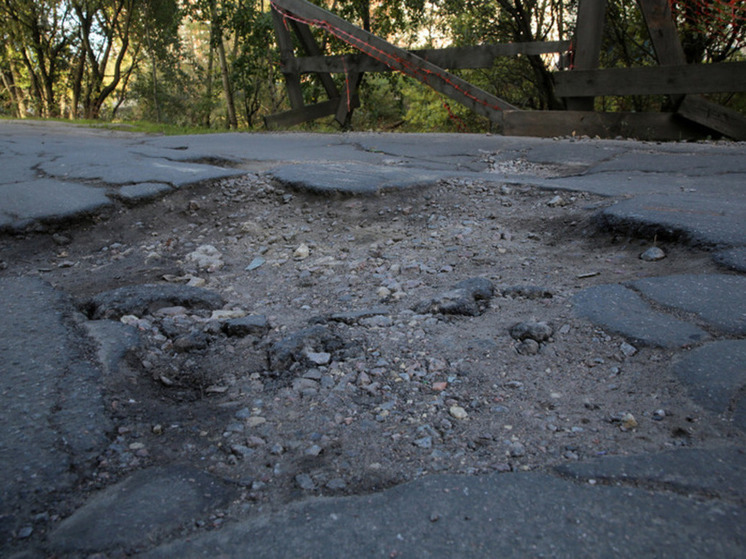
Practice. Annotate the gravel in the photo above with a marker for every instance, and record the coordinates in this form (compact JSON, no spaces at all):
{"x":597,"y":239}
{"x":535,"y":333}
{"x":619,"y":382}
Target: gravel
{"x":352,"y":344}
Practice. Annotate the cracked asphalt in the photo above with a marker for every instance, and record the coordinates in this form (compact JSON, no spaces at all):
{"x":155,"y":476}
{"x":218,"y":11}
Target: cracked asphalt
{"x":681,"y":503}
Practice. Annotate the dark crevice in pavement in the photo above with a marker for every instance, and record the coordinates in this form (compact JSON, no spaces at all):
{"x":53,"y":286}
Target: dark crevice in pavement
{"x":650,"y":485}
{"x":680,"y":314}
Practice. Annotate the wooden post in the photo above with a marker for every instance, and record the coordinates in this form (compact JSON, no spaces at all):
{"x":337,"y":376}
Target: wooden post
{"x":665,"y":37}
{"x":312,"y":49}
{"x":292,"y":79}
{"x":349,"y":98}
{"x":588,"y":35}
{"x":663,"y":33}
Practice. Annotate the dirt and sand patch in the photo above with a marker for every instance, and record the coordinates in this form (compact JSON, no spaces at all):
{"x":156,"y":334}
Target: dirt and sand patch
{"x":349,"y":356}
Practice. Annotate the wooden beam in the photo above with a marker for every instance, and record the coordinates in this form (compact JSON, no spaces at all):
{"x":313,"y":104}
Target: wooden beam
{"x":643,"y":126}
{"x":653,"y":80}
{"x":398,"y":59}
{"x":349,"y":98}
{"x":454,"y":58}
{"x":716,"y":117}
{"x":292,"y":79}
{"x":307,"y":41}
{"x":304,"y":114}
{"x":663,"y":33}
{"x":588,"y":35}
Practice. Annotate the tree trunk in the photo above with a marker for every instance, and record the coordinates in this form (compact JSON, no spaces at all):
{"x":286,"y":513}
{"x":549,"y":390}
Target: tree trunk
{"x":218,"y":35}
{"x":10,"y":87}
{"x":77,"y":84}
{"x":208,"y":93}
{"x":154,"y":73}
{"x":10,"y":80}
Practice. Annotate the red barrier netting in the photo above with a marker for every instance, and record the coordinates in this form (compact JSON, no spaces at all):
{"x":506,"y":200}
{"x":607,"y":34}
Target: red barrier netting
{"x":722,"y":18}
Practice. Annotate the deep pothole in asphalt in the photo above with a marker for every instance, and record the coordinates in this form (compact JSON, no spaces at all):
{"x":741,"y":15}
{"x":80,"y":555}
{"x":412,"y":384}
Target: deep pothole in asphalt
{"x":361,"y":363}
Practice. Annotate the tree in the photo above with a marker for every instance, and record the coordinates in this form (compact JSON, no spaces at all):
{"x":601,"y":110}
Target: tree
{"x":495,"y":21}
{"x":12,"y":79}
{"x":216,"y":41}
{"x":39,"y":32}
{"x":106,"y":29}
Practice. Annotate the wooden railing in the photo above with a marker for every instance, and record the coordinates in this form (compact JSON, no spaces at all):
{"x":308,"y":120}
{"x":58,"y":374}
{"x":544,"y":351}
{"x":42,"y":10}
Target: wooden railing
{"x":578,"y":86}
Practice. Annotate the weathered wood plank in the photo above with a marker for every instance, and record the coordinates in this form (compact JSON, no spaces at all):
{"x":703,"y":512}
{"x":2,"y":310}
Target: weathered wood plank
{"x":307,"y":41}
{"x":304,"y":114}
{"x":716,"y":117}
{"x":644,"y":126}
{"x":588,"y":35}
{"x":653,"y":80}
{"x":669,"y":52}
{"x":454,"y":58}
{"x":663,"y":33}
{"x":292,"y":79}
{"x":476,"y":99}
{"x":307,"y":113}
{"x":349,"y":98}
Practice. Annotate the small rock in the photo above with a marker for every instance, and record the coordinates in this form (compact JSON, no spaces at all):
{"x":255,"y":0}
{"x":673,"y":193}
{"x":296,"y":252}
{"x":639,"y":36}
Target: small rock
{"x":478,"y":288}
{"x":314,"y":450}
{"x":255,"y":263}
{"x":557,"y":201}
{"x":302,"y":252}
{"x":61,"y":240}
{"x":305,"y":386}
{"x":528,"y":347}
{"x":628,"y":421}
{"x":242,"y":451}
{"x":25,"y":532}
{"x":378,"y":321}
{"x":424,"y":442}
{"x":383,"y":293}
{"x":336,"y":484}
{"x":527,"y":292}
{"x":456,"y":301}
{"x":457,"y":412}
{"x":628,"y":350}
{"x":255,"y":421}
{"x":243,"y":413}
{"x":194,"y":281}
{"x":659,"y":415}
{"x":249,"y":325}
{"x":190,"y":342}
{"x":227,"y":314}
{"x":170,"y":311}
{"x":653,"y":254}
{"x":206,"y":257}
{"x":516,"y":449}
{"x":305,"y":482}
{"x":320,"y":358}
{"x":537,"y":331}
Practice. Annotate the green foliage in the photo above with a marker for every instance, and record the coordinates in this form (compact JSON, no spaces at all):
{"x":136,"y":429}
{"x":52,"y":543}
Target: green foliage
{"x":190,"y":63}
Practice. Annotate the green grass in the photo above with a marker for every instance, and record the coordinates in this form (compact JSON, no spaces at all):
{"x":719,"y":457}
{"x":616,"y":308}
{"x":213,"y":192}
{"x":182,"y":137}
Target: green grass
{"x":146,"y":127}
{"x":139,"y":126}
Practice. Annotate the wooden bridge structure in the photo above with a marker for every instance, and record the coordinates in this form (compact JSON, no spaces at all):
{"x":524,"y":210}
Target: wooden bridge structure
{"x":578,"y":86}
